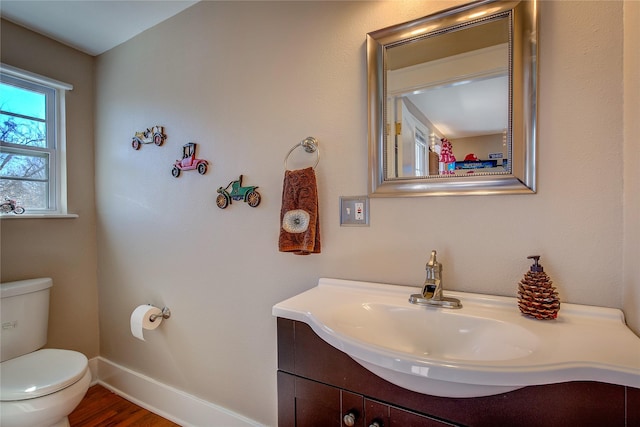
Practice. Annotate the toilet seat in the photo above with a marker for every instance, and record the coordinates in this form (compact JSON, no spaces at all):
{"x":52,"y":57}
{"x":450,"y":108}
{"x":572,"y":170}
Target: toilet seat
{"x":40,"y":373}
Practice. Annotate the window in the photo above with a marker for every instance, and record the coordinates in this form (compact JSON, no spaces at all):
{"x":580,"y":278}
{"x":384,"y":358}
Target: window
{"x":32,"y":138}
{"x":421,"y":154}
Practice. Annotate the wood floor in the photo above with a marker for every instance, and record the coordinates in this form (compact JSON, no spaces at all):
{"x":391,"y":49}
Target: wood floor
{"x":102,"y":408}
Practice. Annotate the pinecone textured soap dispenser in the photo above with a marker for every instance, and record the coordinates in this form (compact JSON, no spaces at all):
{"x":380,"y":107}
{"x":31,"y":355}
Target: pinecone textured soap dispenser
{"x":536,"y":295}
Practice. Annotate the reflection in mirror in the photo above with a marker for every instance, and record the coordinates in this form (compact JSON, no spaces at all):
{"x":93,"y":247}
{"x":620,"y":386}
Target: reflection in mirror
{"x":460,"y":95}
{"x":452,"y":102}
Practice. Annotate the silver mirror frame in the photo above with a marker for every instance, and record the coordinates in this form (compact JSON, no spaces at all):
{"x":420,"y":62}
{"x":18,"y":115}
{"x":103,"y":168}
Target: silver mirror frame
{"x":522,"y":132}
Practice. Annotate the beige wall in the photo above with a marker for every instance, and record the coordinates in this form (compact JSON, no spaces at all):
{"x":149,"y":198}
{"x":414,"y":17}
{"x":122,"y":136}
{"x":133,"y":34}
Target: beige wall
{"x":631,"y":291}
{"x":248,"y":80}
{"x":63,"y":249}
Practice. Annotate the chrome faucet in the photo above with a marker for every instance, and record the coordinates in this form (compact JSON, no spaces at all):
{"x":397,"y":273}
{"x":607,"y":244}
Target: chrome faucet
{"x":432,"y":289}
{"x":433,"y":283}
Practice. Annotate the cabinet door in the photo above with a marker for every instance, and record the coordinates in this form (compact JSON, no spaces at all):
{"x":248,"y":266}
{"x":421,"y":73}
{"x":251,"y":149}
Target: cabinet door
{"x":352,"y":409}
{"x":378,"y":414}
{"x":318,"y":404}
{"x":401,"y":418}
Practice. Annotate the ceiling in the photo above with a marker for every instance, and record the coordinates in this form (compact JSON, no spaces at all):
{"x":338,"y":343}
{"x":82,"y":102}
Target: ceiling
{"x":467,"y":108}
{"x":91,"y":26}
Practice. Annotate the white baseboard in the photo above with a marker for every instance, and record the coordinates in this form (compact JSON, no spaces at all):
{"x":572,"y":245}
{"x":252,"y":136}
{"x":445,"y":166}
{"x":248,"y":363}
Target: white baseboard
{"x":166,"y":401}
{"x":93,"y":367}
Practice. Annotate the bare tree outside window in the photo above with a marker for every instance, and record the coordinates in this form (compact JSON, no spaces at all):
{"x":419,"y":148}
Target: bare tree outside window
{"x":32,"y":141}
{"x":25,"y":157}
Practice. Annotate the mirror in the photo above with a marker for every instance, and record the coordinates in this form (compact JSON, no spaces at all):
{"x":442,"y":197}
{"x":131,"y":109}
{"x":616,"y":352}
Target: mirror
{"x":452,"y":102}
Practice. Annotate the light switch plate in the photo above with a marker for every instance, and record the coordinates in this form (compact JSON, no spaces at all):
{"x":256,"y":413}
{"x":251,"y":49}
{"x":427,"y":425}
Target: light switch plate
{"x":354,"y":211}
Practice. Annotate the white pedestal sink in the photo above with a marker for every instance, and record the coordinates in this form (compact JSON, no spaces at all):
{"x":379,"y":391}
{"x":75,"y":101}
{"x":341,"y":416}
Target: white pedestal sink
{"x":488,"y":347}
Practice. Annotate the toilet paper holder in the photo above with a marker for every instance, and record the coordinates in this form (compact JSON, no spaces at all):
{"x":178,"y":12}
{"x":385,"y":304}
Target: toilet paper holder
{"x":166,"y":313}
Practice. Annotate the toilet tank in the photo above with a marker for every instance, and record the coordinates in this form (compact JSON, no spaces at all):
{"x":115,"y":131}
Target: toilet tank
{"x":24,"y":312}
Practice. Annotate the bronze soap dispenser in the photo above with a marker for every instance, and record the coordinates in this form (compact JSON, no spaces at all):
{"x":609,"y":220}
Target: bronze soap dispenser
{"x":537,"y":297}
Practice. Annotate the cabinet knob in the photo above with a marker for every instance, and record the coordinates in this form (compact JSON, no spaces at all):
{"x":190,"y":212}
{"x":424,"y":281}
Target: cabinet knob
{"x":375,"y":424}
{"x":349,"y":420}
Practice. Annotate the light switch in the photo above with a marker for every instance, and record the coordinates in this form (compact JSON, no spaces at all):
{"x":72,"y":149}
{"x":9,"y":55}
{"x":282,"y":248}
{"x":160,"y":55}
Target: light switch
{"x":354,"y":211}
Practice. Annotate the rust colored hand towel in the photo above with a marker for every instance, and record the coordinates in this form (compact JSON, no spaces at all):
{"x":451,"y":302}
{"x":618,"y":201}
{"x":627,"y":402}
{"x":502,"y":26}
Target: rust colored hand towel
{"x":299,"y":220}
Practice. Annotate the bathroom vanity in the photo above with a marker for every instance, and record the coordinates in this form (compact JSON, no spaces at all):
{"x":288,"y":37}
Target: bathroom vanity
{"x":320,"y":385}
{"x":359,"y":354}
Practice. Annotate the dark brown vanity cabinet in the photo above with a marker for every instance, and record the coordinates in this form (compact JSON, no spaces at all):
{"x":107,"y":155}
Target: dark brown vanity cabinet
{"x":306,"y":403}
{"x":310,"y":403}
{"x":318,"y":385}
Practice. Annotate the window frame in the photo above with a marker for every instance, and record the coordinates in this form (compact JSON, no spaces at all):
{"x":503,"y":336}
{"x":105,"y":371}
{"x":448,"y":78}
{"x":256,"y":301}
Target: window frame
{"x":56,"y":140}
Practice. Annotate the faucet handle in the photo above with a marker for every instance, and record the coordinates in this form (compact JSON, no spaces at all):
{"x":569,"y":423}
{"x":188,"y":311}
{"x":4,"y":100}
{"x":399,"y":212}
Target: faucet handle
{"x":433,"y":262}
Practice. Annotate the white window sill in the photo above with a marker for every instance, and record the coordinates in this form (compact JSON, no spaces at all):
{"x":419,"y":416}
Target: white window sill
{"x":38,"y":216}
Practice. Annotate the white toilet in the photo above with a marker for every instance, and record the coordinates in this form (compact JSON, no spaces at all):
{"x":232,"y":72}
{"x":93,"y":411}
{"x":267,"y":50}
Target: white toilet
{"x":38,"y":388}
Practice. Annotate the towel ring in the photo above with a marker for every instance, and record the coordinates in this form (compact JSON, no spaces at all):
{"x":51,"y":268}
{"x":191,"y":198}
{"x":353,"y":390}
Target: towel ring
{"x":310,"y":145}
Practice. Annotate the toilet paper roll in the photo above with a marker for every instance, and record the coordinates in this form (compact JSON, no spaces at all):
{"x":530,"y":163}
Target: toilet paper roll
{"x":140,"y":320}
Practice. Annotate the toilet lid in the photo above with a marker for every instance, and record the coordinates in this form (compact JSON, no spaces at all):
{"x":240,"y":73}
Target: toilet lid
{"x":40,"y":373}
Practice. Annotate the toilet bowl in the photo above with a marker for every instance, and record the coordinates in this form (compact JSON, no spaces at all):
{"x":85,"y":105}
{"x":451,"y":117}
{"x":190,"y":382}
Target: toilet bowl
{"x":38,"y":387}
{"x":42,"y":388}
